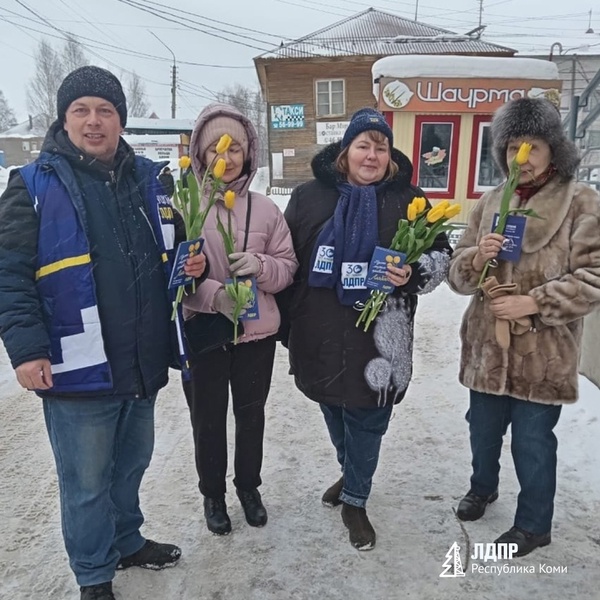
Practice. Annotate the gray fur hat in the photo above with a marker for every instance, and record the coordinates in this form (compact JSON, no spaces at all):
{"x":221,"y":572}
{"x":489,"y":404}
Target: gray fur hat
{"x":535,"y":118}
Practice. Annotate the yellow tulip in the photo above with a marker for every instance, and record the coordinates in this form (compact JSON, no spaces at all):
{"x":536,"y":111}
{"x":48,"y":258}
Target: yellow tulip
{"x":223,"y":144}
{"x":185,"y":162}
{"x":421,"y":204}
{"x":436,"y":213}
{"x":411,"y":212}
{"x":443,"y":204}
{"x":452,"y":211}
{"x":219,"y":168}
{"x":229,"y":199}
{"x":523,"y":154}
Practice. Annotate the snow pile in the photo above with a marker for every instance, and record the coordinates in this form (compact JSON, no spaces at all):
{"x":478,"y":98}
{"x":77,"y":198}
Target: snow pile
{"x":303,"y":552}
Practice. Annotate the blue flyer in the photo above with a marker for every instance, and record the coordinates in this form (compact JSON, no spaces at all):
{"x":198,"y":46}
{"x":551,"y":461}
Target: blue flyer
{"x":377,"y":275}
{"x":513,"y":237}
{"x":251,"y":313}
{"x":184,"y":251}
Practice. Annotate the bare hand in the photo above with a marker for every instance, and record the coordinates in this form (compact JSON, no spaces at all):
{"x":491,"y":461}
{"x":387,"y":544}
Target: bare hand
{"x":195,"y":265}
{"x":398,"y":276}
{"x":35,"y":374}
{"x":510,"y":308}
{"x":489,"y":247}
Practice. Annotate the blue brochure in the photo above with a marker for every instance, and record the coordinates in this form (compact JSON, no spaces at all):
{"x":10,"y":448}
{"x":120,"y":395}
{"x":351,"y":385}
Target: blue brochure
{"x":377,"y":275}
{"x":251,"y":313}
{"x":513,"y":237}
{"x":184,"y":251}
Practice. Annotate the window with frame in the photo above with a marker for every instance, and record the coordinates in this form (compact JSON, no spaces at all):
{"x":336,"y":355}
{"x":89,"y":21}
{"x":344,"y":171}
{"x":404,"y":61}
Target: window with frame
{"x":435,"y":154}
{"x":484,"y":173}
{"x":331,"y":97}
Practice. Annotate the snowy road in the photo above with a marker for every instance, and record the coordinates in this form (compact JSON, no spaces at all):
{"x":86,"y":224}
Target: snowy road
{"x":303,"y":552}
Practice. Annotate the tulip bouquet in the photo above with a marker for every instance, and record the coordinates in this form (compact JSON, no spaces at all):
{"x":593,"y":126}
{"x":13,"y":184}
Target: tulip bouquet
{"x":188,"y":199}
{"x":240,"y":291}
{"x":512,"y":181}
{"x":415,"y":235}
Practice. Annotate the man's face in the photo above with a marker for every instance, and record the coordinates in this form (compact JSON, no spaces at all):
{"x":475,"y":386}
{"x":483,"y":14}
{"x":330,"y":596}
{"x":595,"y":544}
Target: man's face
{"x":94,"y":126}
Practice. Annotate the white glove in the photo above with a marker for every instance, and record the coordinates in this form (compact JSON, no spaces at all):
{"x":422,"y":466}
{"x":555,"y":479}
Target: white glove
{"x":245,"y":263}
{"x":224,"y":304}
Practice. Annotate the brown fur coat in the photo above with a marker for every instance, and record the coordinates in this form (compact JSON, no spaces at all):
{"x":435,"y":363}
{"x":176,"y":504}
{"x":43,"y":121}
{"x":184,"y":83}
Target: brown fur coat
{"x":560,"y":268}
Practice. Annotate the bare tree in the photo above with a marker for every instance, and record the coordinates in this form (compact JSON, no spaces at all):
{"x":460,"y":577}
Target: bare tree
{"x":249,"y":102}
{"x":7,"y":115}
{"x":73,"y":55}
{"x":42,"y":88}
{"x":137,"y":105}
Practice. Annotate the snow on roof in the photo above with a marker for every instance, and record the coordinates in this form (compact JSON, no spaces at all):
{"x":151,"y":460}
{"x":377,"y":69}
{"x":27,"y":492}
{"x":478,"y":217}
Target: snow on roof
{"x":168,"y":124}
{"x":152,"y":139}
{"x":463,"y":66}
{"x":36,"y":129}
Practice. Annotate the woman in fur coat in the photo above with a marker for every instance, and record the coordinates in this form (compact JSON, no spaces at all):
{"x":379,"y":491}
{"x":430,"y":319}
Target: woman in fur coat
{"x":360,"y":191}
{"x":521,"y":333}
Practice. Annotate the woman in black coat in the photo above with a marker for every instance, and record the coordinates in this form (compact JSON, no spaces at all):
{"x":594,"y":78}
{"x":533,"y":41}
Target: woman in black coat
{"x":360,"y":191}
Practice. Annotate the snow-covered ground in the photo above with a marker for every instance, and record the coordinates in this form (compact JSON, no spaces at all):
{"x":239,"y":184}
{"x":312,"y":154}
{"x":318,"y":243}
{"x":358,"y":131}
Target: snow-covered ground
{"x":303,"y":552}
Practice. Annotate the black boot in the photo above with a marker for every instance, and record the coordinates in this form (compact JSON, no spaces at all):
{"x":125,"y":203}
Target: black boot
{"x":152,"y":555}
{"x":526,"y":542}
{"x":255,"y":512}
{"x":331,"y":497}
{"x":472,"y":506}
{"x":362,"y":534}
{"x":101,"y":591}
{"x":217,"y":519}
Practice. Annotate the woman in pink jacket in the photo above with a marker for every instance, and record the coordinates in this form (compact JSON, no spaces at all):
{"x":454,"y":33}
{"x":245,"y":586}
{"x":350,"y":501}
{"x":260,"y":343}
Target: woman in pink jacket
{"x":263,"y":250}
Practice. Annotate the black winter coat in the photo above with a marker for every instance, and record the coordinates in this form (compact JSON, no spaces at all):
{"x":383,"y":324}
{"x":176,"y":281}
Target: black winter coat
{"x":332,"y":360}
{"x":131,"y":286}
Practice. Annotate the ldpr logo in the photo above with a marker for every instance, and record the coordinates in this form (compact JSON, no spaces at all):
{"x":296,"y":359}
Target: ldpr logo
{"x":453,"y":565}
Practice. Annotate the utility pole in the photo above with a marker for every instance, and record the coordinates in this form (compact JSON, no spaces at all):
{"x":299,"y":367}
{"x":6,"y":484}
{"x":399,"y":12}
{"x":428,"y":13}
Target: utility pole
{"x":173,"y":79}
{"x":480,"y":12}
{"x":417,"y":10}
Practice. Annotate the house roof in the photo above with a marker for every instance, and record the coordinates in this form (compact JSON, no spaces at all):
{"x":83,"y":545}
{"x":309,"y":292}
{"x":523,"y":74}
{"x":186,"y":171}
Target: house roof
{"x":376,"y":33}
{"x":36,"y":128}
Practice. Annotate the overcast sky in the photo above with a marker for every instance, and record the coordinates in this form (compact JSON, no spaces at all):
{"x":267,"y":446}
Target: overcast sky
{"x":112,"y":30}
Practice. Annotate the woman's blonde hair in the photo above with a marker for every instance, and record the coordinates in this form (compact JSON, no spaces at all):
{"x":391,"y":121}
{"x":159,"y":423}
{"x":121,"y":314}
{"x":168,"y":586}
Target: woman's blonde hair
{"x":341,"y":162}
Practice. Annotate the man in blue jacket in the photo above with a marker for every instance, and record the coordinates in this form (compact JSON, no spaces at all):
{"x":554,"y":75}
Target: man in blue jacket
{"x":86,"y":238}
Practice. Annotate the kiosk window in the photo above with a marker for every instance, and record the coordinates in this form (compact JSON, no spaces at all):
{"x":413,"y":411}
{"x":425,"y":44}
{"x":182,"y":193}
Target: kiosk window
{"x":436,"y":147}
{"x":484,"y":173}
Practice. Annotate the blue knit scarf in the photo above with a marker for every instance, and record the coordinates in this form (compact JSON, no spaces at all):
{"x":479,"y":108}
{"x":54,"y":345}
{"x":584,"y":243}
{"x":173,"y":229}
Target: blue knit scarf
{"x":346,"y":243}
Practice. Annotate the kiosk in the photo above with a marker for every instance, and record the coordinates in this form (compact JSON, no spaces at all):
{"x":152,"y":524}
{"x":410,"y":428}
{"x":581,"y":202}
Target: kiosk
{"x":440,"y":108}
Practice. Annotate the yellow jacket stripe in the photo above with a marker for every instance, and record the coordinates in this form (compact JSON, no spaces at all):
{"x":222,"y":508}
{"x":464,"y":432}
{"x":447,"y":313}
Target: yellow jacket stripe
{"x":65,"y":263}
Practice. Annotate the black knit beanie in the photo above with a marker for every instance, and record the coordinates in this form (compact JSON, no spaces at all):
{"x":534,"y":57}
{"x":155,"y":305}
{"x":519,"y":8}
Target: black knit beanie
{"x":91,"y":81}
{"x":367,"y":119}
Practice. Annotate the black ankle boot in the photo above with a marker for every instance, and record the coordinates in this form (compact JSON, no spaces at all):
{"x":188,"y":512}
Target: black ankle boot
{"x":331,"y":497}
{"x":255,"y":512}
{"x":217,"y":519}
{"x":472,"y":506}
{"x":362,"y":534}
{"x":526,"y":542}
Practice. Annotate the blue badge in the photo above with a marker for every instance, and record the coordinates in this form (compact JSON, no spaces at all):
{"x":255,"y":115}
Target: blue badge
{"x":251,"y":313}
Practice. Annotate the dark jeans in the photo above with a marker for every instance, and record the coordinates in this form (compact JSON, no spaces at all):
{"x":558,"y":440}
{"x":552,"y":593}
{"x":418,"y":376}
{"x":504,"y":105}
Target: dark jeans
{"x":247,"y":367}
{"x":533,"y":448}
{"x":356,"y":434}
{"x":102,"y":447}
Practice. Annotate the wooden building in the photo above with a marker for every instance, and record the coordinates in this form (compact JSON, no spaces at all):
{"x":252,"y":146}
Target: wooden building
{"x":313,"y":85}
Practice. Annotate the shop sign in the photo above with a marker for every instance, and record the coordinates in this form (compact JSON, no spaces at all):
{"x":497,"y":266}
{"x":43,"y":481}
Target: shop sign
{"x":330,"y":132}
{"x":423,"y":95}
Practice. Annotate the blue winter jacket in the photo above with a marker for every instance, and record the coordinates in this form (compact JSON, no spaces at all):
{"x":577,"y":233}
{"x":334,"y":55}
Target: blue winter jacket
{"x":83,"y":272}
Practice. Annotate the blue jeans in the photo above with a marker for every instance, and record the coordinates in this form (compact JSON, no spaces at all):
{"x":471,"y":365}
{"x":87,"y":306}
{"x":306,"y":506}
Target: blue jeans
{"x":533,"y":448}
{"x":102,"y":448}
{"x":356,"y":434}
